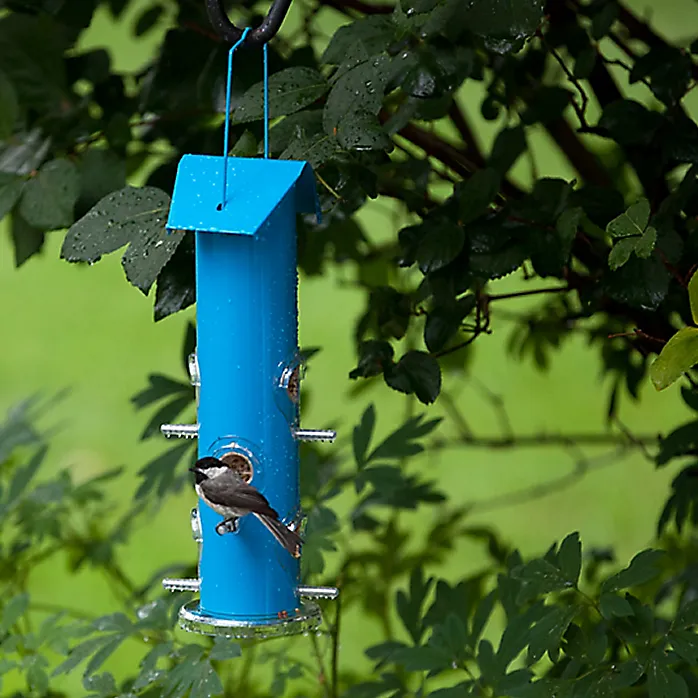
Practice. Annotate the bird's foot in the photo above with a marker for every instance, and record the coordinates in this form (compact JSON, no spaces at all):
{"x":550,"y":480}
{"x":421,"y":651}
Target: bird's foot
{"x":227,"y":526}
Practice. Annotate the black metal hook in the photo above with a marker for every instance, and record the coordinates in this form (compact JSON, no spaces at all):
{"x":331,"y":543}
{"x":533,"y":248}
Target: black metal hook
{"x":264,"y":32}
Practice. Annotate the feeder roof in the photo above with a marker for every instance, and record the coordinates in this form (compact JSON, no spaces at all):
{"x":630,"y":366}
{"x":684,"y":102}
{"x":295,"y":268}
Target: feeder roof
{"x":256,"y":187}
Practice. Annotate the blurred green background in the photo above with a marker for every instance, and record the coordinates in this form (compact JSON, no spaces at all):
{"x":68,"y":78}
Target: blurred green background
{"x":86,"y":329}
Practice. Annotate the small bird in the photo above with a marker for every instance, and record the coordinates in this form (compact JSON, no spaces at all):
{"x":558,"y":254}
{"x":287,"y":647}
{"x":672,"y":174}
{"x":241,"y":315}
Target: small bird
{"x":230,"y":496}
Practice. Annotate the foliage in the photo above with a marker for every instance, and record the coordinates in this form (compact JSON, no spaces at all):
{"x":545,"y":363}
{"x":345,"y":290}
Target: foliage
{"x":378,"y":110}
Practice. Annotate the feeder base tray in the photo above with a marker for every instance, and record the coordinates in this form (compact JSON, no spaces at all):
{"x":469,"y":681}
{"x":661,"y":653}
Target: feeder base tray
{"x":193,"y":619}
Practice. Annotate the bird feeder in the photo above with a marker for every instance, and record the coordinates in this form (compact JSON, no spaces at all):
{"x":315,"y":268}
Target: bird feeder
{"x":247,"y":370}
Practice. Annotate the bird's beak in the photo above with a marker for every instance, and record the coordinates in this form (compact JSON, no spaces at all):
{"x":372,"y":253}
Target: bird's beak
{"x":193,"y":469}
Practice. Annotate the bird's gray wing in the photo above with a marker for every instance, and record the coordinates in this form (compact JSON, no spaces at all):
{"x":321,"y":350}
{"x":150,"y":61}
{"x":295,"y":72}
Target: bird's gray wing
{"x":237,"y":494}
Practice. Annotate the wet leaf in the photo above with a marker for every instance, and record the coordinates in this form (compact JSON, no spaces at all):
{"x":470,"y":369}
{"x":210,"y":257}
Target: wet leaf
{"x":662,"y":682}
{"x":361,"y":130}
{"x":48,"y":198}
{"x":440,"y":245}
{"x":290,"y":90}
{"x":131,"y":215}
{"x":504,"y":22}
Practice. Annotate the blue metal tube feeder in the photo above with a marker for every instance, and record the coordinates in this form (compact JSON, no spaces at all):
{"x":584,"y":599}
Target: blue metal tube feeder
{"x":247,"y":370}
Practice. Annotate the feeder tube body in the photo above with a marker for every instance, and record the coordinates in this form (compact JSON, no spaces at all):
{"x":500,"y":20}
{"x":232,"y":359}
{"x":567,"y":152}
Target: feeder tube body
{"x":247,"y":332}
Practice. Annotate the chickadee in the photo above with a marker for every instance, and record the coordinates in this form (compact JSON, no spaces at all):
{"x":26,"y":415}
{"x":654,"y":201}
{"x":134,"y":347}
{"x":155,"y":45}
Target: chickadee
{"x":230,"y":496}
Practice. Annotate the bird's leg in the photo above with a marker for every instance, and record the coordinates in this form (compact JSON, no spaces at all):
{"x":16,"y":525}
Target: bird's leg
{"x":227,"y":526}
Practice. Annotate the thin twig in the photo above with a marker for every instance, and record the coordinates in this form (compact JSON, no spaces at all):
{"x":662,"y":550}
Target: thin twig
{"x":531,"y":292}
{"x":540,"y":439}
{"x":580,"y":110}
{"x":335,"y":643}
{"x":322,"y":675}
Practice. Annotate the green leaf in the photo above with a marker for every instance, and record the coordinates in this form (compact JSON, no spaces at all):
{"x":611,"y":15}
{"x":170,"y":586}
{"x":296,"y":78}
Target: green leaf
{"x":37,"y":678}
{"x":361,"y":436}
{"x":632,"y":222}
{"x":640,"y":283}
{"x":159,"y":387}
{"x":426,"y":658}
{"x":508,"y":146}
{"x":14,"y":609}
{"x":24,"y":475}
{"x":10,"y":190}
{"x":662,"y":682}
{"x":627,"y":673}
{"x":26,"y":239}
{"x":681,"y":441}
{"x":476,"y":194}
{"x":224,"y":649}
{"x":32,"y":56}
{"x":316,"y":149}
{"x":418,"y":373}
{"x":603,"y":19}
{"x":678,"y":355}
{"x":361,"y":130}
{"x":567,"y":225}
{"x":540,"y":577}
{"x":101,"y":684}
{"x":409,"y":605}
{"x":646,"y":243}
{"x":687,"y":615}
{"x":373,"y":33}
{"x":692,"y":295}
{"x":375,"y":356}
{"x":444,"y":321}
{"x":620,"y":253}
{"x":48,"y":199}
{"x":290,"y":90}
{"x":358,"y":90}
{"x":642,"y":568}
{"x":176,"y":287}
{"x":149,"y":673}
{"x":131,"y":215}
{"x":586,"y":646}
{"x":404,"y":441}
{"x":629,"y":122}
{"x":546,"y":634}
{"x":160,"y":473}
{"x":101,"y":172}
{"x":569,"y":558}
{"x":516,"y":634}
{"x":78,"y":654}
{"x":612,"y":606}
{"x":504,"y":22}
{"x":9,"y":107}
{"x":642,"y":246}
{"x":246,"y":146}
{"x":685,"y":644}
{"x":440,"y":245}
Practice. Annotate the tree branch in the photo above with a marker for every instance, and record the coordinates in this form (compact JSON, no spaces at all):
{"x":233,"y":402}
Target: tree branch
{"x":365,"y":8}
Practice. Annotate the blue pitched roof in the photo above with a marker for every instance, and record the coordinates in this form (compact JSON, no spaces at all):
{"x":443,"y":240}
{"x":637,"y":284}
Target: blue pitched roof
{"x":256,"y":186}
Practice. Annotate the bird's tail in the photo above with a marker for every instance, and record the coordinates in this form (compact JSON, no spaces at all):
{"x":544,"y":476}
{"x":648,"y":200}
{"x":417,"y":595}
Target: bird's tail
{"x":285,"y":537}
